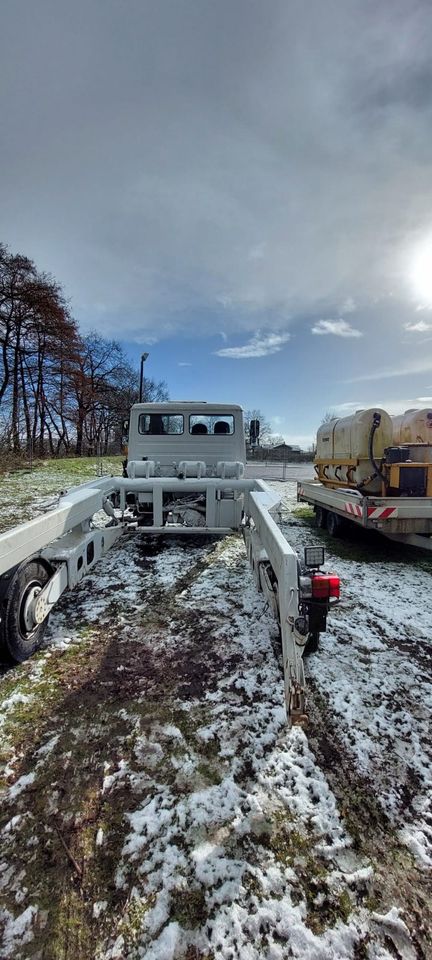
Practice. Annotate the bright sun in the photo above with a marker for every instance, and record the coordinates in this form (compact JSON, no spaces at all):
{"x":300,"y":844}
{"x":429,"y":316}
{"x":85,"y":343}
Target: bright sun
{"x":421,"y":273}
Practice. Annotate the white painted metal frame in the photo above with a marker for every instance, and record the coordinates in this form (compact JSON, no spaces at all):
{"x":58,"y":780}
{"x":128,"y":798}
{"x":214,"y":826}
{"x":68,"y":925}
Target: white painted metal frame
{"x":266,"y":544}
{"x":75,"y":508}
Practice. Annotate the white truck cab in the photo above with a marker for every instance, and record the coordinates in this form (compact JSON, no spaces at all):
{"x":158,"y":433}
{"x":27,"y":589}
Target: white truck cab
{"x":186,"y":439}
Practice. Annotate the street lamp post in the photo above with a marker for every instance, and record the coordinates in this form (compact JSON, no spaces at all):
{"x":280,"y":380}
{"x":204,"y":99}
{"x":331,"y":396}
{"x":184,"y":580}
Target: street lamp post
{"x":141,"y":389}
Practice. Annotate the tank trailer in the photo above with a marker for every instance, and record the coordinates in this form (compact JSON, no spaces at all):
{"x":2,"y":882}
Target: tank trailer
{"x":184,"y":476}
{"x":376,"y":471}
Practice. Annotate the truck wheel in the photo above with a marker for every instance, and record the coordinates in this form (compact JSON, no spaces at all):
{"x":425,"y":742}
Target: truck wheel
{"x":312,"y":644}
{"x":19,"y":637}
{"x":333,"y":524}
{"x":320,"y":517}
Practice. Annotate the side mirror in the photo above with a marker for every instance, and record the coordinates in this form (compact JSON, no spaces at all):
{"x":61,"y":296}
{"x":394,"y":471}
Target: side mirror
{"x":254,"y":430}
{"x":125,"y":431}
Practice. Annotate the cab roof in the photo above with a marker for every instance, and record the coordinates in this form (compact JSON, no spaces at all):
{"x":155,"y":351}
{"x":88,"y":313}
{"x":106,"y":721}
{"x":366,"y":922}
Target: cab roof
{"x":176,"y":406}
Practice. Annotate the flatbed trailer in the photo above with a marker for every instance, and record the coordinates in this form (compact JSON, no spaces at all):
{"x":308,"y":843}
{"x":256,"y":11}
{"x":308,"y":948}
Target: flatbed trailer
{"x":405,"y":519}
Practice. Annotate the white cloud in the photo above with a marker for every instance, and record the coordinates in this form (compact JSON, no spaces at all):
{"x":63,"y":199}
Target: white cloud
{"x":413,"y":367}
{"x":348,"y":407}
{"x":336,"y":328}
{"x":420,"y":326}
{"x":391,"y":405}
{"x":257,"y":346}
{"x":184,"y":363}
{"x":151,"y":231}
{"x":143,"y":341}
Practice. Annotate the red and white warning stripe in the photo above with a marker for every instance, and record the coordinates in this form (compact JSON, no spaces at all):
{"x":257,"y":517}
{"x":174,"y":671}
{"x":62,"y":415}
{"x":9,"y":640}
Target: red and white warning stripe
{"x":354,"y":508}
{"x":374,"y":513}
{"x":382,"y":513}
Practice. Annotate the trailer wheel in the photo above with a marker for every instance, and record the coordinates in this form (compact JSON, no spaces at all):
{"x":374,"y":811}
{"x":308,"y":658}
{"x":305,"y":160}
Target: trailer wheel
{"x":19,"y":637}
{"x":333,"y":524}
{"x":320,"y":517}
{"x":312,"y":644}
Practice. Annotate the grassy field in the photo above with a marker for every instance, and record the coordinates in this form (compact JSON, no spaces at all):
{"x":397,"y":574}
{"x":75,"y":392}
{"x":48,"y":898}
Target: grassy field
{"x":26,"y":493}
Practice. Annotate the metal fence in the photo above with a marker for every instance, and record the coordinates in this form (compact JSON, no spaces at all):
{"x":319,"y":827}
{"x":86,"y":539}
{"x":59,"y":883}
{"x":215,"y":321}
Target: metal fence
{"x":271,"y":470}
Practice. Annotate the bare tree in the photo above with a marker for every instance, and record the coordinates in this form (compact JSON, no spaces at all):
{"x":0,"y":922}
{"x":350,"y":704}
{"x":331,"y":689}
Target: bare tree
{"x":105,"y":387}
{"x":57,"y":390}
{"x":274,"y":440}
{"x":328,"y":416}
{"x":265,"y":427}
{"x":34,"y":320}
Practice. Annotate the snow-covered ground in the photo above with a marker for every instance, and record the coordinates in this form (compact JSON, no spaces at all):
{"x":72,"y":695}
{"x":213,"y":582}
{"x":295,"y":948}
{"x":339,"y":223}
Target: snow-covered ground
{"x":155,"y":806}
{"x":375,"y":668}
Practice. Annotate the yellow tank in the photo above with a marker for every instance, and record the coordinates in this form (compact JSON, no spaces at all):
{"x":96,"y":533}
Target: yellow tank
{"x":413,"y":426}
{"x":342,"y":457}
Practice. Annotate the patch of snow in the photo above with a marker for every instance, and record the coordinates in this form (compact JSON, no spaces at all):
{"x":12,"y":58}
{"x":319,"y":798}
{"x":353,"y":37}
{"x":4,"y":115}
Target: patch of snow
{"x":14,"y":699}
{"x":48,"y":747}
{"x":165,"y":947}
{"x":113,"y":778}
{"x":98,"y":907}
{"x":8,"y":704}
{"x":17,"y":930}
{"x":398,"y":932}
{"x":13,"y":823}
{"x":21,"y":784}
{"x":169,"y":730}
{"x":417,"y":834}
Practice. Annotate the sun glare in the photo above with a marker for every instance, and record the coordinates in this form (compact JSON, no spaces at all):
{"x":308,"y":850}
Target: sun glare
{"x":421,"y":273}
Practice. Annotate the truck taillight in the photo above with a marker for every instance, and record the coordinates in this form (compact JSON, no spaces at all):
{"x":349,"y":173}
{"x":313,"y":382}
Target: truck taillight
{"x":325,"y":586}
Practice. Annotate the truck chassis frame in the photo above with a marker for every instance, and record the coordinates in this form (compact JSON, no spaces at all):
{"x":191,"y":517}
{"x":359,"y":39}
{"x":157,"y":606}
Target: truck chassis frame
{"x":41,"y":559}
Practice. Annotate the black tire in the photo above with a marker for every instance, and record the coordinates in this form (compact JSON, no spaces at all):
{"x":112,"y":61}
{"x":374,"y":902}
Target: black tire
{"x":333,"y":524}
{"x":18,"y":642}
{"x":320,"y":517}
{"x":312,"y":644}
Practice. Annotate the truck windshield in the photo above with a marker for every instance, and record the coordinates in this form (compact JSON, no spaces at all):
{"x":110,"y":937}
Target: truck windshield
{"x":157,"y":424}
{"x":211,"y":424}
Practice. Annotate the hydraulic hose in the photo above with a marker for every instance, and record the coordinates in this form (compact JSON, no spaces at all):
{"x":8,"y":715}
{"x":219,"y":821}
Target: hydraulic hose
{"x":375,"y":424}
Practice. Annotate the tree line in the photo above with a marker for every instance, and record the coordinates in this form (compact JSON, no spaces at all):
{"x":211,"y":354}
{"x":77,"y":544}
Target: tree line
{"x":60,"y":392}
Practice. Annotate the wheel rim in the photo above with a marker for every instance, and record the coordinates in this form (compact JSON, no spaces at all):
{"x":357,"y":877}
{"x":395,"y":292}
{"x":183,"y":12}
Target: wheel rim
{"x":27,"y":624}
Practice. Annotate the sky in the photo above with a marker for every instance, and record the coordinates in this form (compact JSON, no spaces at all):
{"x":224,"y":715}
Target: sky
{"x":240,"y":188}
